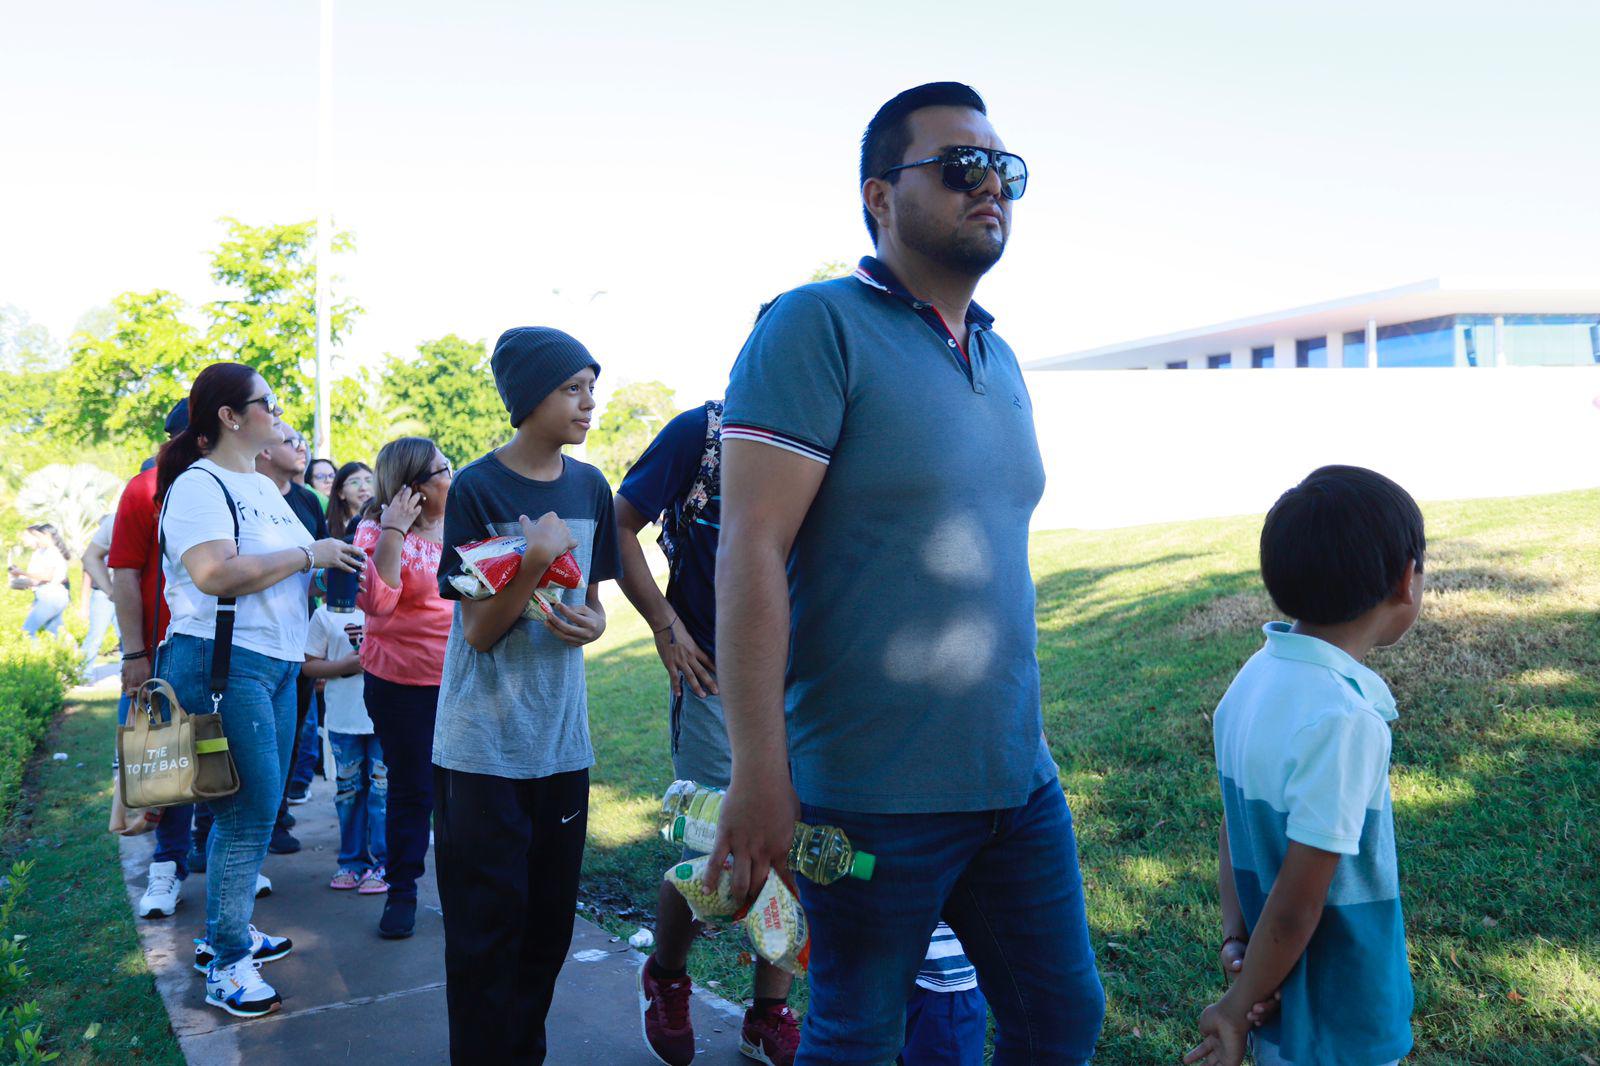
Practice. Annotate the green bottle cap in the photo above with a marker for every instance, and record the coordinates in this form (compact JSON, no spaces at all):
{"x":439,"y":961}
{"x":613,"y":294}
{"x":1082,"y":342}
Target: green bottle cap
{"x":678,"y":827}
{"x":685,"y":870}
{"x":862,"y":865}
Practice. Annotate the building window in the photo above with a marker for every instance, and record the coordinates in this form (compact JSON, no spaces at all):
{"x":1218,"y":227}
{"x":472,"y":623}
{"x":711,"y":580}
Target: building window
{"x":1178,"y":364}
{"x":1428,"y":342}
{"x":1552,"y":340}
{"x":1355,"y":348}
{"x":1311,"y":352}
{"x":1218,"y":362}
{"x":1263,"y":357}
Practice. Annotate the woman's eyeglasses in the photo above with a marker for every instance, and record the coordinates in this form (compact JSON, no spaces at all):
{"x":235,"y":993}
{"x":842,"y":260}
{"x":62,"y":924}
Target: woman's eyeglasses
{"x":269,"y":403}
{"x":430,"y":475}
{"x":965,"y":167}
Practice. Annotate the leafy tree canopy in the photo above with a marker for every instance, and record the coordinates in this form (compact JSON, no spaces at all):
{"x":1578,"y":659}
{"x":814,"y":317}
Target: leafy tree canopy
{"x":633,"y":416}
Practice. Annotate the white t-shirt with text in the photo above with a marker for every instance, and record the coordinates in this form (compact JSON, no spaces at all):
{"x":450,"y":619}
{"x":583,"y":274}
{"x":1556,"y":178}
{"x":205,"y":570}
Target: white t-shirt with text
{"x":271,"y":622}
{"x":338,"y":636}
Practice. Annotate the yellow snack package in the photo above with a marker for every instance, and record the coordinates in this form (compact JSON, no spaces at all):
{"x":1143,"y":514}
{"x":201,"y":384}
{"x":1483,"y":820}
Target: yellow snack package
{"x":775,"y":922}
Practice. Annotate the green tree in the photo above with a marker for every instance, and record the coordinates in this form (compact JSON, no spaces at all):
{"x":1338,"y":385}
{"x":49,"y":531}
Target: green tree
{"x":270,"y":322}
{"x":449,"y":387}
{"x":119,"y":386}
{"x":366,"y":417}
{"x":633,"y":416}
{"x":830,"y":269}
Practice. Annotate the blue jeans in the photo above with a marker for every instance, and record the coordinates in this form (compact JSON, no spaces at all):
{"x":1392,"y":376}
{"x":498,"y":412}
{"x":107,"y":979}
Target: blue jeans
{"x":258,"y":720}
{"x":363,"y":793}
{"x":102,"y":616}
{"x":1007,"y":881}
{"x":48,"y":611}
{"x":308,"y":752}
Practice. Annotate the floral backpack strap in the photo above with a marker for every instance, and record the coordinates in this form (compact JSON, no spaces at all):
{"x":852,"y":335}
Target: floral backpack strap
{"x":707,"y":483}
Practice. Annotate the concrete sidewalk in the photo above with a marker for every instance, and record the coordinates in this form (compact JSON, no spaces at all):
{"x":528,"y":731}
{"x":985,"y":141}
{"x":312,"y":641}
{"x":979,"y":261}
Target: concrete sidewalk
{"x":350,"y":996}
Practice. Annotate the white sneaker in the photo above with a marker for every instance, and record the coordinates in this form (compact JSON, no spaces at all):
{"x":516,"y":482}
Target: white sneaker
{"x":263,"y":886}
{"x":160,"y":899}
{"x":239,"y":990}
{"x":263,"y":948}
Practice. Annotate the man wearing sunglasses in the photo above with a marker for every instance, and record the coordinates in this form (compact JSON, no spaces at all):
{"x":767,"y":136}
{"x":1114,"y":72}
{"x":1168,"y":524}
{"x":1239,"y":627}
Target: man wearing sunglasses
{"x":879,"y":472}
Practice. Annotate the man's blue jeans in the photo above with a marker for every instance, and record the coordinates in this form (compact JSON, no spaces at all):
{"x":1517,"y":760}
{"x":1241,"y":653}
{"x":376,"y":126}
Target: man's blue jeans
{"x":308,"y":752}
{"x":361,"y":799}
{"x":258,"y":720}
{"x":1007,"y":881}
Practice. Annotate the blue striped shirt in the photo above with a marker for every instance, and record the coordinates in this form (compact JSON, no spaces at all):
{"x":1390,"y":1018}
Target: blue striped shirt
{"x":1302,"y":744}
{"x":945,"y":968}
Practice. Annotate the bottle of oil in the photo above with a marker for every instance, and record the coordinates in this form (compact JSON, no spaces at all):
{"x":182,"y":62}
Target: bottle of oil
{"x":822,"y":853}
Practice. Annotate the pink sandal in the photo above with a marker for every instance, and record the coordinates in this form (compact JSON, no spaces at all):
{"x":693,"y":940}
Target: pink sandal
{"x":372,"y":882}
{"x":344,"y":880}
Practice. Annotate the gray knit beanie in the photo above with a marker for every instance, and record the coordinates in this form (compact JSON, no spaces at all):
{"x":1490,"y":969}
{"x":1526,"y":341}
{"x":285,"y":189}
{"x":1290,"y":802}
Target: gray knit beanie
{"x":531,"y":362}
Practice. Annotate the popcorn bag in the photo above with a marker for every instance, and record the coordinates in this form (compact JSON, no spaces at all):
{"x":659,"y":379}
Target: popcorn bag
{"x":775,"y":922}
{"x":489,"y":565}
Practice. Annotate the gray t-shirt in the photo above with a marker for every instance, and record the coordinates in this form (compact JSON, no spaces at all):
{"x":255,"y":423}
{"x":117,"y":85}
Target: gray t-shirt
{"x":913,"y":683}
{"x":521,"y":709}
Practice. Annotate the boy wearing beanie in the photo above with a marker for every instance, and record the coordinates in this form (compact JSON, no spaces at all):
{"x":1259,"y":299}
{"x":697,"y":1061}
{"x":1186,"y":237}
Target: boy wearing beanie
{"x":511,"y":746}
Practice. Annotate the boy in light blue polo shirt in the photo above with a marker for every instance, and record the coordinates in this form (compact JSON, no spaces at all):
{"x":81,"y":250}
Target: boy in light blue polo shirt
{"x":1310,"y":888}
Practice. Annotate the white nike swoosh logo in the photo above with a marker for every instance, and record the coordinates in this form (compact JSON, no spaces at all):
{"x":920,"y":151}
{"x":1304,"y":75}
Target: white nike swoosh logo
{"x":570,"y":817}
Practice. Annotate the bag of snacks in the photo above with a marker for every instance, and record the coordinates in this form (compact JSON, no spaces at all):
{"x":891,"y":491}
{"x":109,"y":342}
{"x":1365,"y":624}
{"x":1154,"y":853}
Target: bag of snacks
{"x":775,"y":922}
{"x":489,"y":565}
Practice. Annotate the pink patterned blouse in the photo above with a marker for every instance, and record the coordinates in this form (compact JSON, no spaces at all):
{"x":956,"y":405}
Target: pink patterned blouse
{"x":407,"y":627}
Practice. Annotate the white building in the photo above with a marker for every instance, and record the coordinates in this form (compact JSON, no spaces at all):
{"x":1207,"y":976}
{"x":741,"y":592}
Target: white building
{"x":1438,"y":323}
{"x":1122,"y":449}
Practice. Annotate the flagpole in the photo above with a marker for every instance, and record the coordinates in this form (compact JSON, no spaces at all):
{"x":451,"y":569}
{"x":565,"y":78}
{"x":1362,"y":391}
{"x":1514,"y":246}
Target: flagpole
{"x":322,"y":426}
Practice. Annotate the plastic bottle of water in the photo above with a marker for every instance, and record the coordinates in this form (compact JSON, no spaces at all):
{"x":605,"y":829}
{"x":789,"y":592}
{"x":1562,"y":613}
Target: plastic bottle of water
{"x":822,"y":853}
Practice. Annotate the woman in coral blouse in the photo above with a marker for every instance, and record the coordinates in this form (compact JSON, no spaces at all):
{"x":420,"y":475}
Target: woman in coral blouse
{"x":402,"y":653}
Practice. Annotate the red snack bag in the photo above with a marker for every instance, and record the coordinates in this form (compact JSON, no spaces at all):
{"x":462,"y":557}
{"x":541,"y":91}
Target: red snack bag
{"x":564,"y":572}
{"x":494,"y":561}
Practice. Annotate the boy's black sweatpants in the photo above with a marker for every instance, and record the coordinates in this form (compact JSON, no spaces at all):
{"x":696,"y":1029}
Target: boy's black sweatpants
{"x":508,"y":854}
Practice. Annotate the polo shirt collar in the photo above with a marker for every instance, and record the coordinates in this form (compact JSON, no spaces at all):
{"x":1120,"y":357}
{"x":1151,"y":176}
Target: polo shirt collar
{"x":1284,"y":643}
{"x":877,"y":274}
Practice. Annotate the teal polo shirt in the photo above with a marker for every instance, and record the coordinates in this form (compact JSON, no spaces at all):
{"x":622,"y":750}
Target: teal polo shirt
{"x":1302,"y":744}
{"x":913,"y":681}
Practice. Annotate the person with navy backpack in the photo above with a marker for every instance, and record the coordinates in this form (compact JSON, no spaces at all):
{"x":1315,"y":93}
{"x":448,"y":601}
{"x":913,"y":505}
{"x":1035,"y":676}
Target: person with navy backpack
{"x":238,"y":565}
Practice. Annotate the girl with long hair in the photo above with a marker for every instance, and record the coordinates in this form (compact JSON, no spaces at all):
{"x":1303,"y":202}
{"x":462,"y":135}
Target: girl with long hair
{"x":46,"y":575}
{"x":402,"y":654}
{"x":228,"y":532}
{"x":351,"y":492}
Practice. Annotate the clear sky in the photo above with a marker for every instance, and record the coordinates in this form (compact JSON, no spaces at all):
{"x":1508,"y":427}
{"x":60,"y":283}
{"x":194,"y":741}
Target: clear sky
{"x":1191,"y":162}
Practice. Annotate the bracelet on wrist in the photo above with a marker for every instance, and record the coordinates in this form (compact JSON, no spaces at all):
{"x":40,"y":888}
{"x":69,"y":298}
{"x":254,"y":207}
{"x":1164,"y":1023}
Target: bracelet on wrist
{"x":311,"y":559}
{"x":668,"y":626}
{"x":130,"y":656}
{"x":392,"y":529}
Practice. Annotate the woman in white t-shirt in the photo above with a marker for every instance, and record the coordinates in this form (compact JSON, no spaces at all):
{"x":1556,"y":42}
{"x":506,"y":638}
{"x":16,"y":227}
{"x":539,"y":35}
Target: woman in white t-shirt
{"x":46,"y":575}
{"x":233,"y":415}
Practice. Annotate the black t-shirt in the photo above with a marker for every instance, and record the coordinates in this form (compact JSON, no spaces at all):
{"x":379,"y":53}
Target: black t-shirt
{"x":306,"y":507}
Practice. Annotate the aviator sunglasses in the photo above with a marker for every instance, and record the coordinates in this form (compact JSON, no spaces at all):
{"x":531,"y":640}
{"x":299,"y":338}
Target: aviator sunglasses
{"x":965,"y":167}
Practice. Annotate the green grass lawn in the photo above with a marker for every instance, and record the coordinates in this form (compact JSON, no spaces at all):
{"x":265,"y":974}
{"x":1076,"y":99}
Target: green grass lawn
{"x":89,"y":973}
{"x":1496,"y":776}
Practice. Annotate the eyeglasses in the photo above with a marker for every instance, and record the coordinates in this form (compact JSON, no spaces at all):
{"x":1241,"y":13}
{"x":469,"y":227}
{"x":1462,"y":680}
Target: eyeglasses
{"x":430,"y":475}
{"x":269,"y":403}
{"x":965,"y":167}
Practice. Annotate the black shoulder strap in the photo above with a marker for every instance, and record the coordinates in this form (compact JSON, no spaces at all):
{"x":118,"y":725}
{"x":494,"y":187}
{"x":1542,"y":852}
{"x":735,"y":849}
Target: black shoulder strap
{"x":222,"y":645}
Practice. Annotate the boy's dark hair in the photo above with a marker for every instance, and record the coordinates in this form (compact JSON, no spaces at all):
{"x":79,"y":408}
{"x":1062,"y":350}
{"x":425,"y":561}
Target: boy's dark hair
{"x":888,"y":135}
{"x":1336,"y":545}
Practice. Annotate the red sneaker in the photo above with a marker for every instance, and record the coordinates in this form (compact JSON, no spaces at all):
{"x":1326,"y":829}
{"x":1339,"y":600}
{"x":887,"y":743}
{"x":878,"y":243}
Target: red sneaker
{"x":771,"y":1035}
{"x":664,"y":1016}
